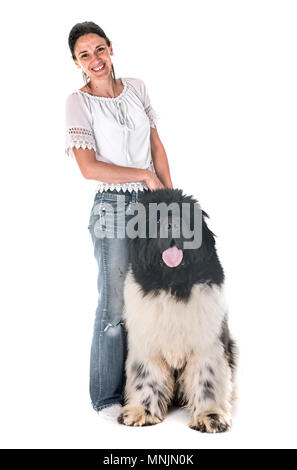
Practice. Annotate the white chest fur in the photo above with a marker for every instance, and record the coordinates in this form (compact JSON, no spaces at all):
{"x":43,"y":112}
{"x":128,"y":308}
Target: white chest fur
{"x":162,"y":325}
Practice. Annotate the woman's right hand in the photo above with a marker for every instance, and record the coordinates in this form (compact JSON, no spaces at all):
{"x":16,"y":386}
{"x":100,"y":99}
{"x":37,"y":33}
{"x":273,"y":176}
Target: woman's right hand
{"x":153,"y":181}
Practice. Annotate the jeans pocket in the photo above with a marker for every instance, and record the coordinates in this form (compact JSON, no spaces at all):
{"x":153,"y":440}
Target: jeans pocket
{"x":111,"y":217}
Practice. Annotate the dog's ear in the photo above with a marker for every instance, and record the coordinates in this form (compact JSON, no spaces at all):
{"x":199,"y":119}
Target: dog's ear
{"x":138,"y":250}
{"x":204,"y":216}
{"x":142,"y":251}
{"x":208,"y":238}
{"x":133,"y":247}
{"x":207,"y":247}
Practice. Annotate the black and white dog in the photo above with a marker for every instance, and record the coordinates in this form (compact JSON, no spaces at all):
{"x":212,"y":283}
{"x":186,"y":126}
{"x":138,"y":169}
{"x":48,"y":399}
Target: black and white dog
{"x":179,"y":347}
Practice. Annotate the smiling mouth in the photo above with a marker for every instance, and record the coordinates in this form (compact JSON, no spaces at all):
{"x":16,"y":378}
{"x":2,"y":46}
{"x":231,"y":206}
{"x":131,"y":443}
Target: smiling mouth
{"x":98,"y":69}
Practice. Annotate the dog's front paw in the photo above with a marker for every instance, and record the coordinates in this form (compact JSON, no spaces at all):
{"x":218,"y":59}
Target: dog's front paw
{"x":136,"y":415}
{"x":211,"y":422}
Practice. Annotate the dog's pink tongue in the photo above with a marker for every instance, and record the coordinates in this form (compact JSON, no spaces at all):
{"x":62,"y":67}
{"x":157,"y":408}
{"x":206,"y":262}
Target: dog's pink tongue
{"x":172,"y":256}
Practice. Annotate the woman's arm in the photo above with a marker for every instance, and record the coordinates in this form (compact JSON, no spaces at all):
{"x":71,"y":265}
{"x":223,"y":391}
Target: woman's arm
{"x":107,"y":172}
{"x":160,"y":159}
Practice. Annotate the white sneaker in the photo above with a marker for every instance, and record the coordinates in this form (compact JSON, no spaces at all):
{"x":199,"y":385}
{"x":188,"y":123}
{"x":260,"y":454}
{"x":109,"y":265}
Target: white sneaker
{"x":110,"y":412}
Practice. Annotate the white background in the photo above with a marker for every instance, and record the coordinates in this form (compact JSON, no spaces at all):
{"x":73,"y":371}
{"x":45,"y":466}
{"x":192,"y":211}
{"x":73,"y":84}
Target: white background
{"x":222,"y":78}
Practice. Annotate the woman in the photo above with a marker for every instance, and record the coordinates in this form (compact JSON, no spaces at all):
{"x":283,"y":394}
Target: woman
{"x":111,"y":132}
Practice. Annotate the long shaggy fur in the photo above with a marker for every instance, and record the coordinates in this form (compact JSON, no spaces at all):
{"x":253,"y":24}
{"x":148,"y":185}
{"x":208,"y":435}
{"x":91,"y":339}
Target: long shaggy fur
{"x":179,"y":346}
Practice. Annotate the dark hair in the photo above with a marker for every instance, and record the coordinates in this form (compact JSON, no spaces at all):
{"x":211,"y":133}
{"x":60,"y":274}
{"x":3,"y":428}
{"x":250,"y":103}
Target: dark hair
{"x":80,"y":29}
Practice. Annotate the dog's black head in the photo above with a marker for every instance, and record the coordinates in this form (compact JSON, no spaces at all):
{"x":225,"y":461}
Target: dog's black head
{"x":160,"y":262}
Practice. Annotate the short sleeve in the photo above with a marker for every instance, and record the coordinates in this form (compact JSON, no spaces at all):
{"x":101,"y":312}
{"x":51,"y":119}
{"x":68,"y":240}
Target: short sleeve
{"x":140,"y":89}
{"x":79,"y":132}
{"x":148,"y":106}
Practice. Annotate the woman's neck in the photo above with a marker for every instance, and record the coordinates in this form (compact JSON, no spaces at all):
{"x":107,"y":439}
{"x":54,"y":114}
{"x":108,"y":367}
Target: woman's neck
{"x":107,"y":90}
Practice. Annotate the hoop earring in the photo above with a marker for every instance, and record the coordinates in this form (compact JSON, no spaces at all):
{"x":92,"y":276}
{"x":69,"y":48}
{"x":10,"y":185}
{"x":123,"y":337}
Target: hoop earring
{"x":85,"y":77}
{"x":112,"y":71}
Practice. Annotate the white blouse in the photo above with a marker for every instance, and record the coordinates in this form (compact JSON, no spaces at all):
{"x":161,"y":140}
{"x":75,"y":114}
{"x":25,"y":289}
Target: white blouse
{"x":118,"y":129}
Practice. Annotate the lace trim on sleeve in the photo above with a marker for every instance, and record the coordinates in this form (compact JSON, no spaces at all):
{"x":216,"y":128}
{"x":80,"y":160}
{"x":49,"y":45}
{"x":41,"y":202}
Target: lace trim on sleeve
{"x":79,"y":137}
{"x":153,"y":118}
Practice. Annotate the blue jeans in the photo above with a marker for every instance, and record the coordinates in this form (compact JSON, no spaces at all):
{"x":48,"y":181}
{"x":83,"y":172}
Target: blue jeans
{"x":108,"y":219}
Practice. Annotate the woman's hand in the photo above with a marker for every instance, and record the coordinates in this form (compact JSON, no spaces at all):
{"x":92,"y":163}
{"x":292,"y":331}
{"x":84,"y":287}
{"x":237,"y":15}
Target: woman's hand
{"x":153,"y":181}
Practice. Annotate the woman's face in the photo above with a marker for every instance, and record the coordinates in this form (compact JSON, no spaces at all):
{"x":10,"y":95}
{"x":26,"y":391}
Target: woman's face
{"x":92,"y":52}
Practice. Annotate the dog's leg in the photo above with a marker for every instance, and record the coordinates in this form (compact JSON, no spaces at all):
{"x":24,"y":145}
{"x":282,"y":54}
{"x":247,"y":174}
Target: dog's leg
{"x":231,"y":354}
{"x":148,"y":391}
{"x":207,"y":390}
